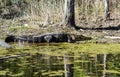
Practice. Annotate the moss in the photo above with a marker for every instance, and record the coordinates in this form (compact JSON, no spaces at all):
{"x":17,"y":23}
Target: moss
{"x":93,"y":48}
{"x":2,"y":73}
{"x":64,"y":48}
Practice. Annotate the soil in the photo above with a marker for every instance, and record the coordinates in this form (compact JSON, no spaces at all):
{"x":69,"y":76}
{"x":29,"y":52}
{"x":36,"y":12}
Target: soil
{"x":104,"y":32}
{"x":101,"y":32}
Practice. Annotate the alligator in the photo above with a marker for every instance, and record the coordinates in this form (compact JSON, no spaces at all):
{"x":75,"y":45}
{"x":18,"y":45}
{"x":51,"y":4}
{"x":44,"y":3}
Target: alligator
{"x":49,"y":37}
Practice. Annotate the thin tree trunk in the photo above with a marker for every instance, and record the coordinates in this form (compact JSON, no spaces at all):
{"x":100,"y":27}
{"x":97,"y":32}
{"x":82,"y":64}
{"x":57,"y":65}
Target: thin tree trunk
{"x":96,"y":9}
{"x":107,"y":11}
{"x":69,"y":15}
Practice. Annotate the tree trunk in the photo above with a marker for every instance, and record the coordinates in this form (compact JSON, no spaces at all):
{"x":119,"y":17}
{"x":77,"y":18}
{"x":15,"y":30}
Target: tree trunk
{"x":69,"y":15}
{"x":107,"y":10}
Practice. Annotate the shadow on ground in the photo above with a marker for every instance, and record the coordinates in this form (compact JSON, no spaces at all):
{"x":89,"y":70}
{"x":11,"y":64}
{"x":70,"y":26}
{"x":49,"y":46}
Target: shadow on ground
{"x":101,"y":28}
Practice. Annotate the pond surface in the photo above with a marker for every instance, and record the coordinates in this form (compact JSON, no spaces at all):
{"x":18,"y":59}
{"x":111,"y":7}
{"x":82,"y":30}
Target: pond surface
{"x":61,"y":60}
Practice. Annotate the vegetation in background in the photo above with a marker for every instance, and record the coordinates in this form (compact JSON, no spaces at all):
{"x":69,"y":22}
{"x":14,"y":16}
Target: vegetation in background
{"x":41,"y":15}
{"x":86,"y":10}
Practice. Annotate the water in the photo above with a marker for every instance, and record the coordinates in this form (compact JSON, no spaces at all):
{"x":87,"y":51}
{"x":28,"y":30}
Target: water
{"x":61,"y":60}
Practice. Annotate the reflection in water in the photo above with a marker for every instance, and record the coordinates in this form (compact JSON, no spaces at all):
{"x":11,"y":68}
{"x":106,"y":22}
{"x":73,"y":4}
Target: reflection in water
{"x":46,"y":62}
{"x":104,"y":64}
{"x":68,"y":64}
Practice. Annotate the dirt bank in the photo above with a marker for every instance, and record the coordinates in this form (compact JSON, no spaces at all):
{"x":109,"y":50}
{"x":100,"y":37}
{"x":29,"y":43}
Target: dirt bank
{"x":107,"y":31}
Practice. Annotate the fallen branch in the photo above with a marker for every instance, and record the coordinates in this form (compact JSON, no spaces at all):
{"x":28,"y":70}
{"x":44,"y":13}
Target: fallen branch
{"x":14,"y":56}
{"x":112,"y":37}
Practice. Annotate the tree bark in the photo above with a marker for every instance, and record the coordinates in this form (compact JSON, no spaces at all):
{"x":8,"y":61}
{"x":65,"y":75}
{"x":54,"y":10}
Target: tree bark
{"x":69,"y":15}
